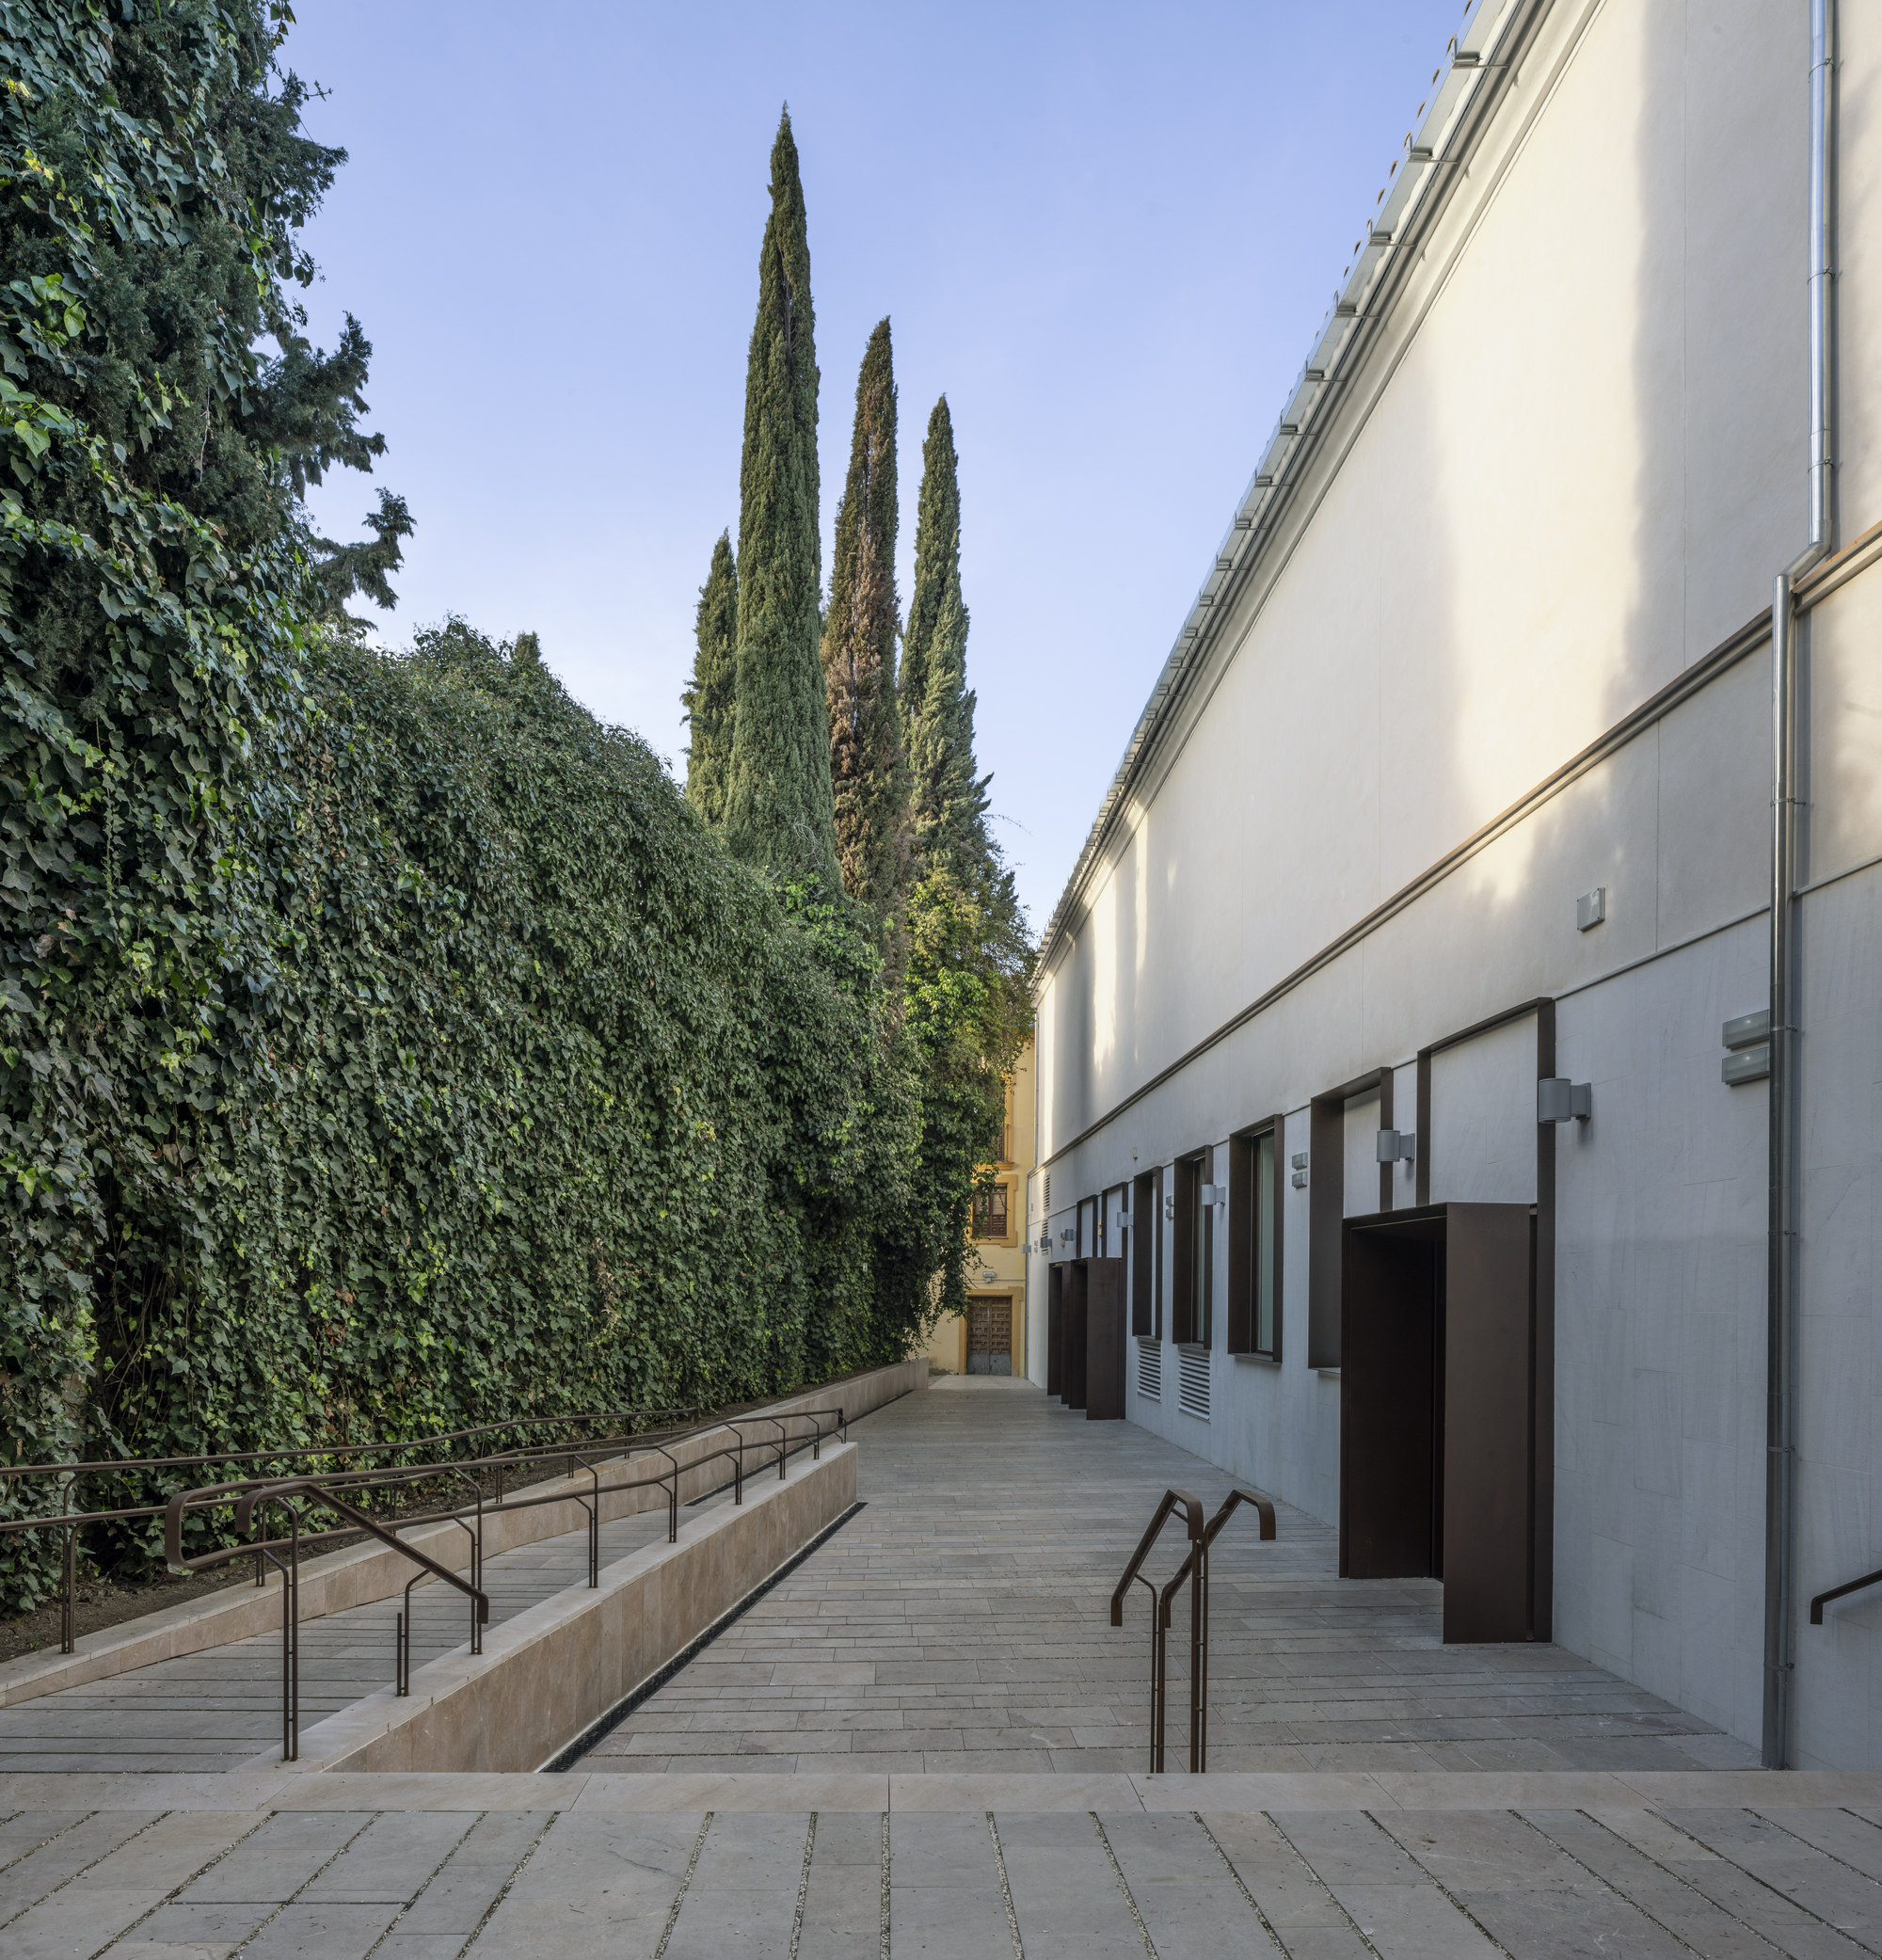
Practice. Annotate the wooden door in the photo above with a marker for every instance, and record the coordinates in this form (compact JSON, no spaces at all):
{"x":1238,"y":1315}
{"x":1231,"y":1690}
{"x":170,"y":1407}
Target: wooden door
{"x":990,"y":1334}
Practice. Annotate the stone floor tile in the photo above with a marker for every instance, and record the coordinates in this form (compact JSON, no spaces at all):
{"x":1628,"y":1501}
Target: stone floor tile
{"x":843,"y":1899}
{"x":1665,"y":1893}
{"x":598,"y":1887}
{"x":1380,"y":1888}
{"x":321,"y":1931}
{"x":1818,"y":1883}
{"x":1184,"y":1891}
{"x":62,"y":1857}
{"x":742,"y":1895}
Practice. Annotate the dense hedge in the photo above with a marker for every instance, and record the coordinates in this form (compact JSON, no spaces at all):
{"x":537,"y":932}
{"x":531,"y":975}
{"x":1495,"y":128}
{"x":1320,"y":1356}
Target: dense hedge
{"x":383,"y":1043}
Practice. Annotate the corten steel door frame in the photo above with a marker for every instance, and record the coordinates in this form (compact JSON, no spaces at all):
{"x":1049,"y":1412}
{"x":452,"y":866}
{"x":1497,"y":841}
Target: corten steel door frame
{"x":1055,"y":1330}
{"x":1392,"y":1399}
{"x":1457,"y":1282}
{"x":1104,"y":1340}
{"x":1242,"y":1308}
{"x":1542,"y":1486}
{"x":1075,"y":1333}
{"x":1326,"y":1205}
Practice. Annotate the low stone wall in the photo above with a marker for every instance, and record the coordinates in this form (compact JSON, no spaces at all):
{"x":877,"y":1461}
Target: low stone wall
{"x":361,"y":1573}
{"x":549,"y":1673}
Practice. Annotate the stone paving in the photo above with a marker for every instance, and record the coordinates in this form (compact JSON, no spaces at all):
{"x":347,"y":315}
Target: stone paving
{"x":222,"y":1708}
{"x":1539,"y":1882}
{"x":955,"y":1719}
{"x":959,"y":1622}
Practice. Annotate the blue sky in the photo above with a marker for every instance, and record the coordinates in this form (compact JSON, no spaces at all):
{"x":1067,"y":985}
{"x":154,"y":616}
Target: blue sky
{"x":1108,"y":234}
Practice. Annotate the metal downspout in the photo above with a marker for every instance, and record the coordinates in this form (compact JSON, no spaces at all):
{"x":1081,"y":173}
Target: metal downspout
{"x":1782,"y":1332}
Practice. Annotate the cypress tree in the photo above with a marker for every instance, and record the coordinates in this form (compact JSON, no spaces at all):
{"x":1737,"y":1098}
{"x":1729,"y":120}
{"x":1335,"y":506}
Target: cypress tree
{"x":778,"y":808}
{"x":869,"y":773}
{"x":949,"y":799}
{"x":710,"y":702}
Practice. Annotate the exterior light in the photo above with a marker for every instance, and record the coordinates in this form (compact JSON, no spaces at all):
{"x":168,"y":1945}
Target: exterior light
{"x":1397,"y":1146}
{"x":1558,"y":1100}
{"x":1749,"y":1038}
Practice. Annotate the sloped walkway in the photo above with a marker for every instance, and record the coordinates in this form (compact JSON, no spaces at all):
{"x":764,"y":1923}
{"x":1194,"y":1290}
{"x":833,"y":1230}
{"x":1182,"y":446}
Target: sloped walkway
{"x":222,"y":1708}
{"x":959,"y":1622}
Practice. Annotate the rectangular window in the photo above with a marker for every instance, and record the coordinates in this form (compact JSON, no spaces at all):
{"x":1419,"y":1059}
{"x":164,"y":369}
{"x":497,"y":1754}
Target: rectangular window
{"x":1255,"y":1170}
{"x":1194,"y":1249}
{"x":990,"y":1213}
{"x":1146,"y":1281}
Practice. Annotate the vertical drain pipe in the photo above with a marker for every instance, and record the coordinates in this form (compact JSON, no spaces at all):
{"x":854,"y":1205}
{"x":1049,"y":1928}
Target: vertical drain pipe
{"x":1782,"y":1332}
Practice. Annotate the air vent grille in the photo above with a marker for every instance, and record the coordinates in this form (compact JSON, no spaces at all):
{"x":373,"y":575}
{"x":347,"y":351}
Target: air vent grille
{"x":1150,"y":1369}
{"x":1192,"y":1382}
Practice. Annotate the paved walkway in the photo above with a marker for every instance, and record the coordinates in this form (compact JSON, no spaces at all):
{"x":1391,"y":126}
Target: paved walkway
{"x":222,"y":1708}
{"x":1374,"y":1795}
{"x":959,"y":1622}
{"x":578,"y":1884}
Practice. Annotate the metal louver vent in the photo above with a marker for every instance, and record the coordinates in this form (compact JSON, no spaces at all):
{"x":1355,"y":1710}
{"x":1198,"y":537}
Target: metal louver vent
{"x":1192,"y":1382}
{"x":1150,"y":1369}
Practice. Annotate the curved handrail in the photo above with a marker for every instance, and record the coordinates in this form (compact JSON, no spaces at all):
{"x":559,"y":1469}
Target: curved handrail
{"x":1836,"y":1592}
{"x":1192,"y":1508}
{"x":1195,"y":1568}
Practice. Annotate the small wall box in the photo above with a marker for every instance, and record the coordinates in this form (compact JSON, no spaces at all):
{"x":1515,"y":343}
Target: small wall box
{"x":1748,"y":1042}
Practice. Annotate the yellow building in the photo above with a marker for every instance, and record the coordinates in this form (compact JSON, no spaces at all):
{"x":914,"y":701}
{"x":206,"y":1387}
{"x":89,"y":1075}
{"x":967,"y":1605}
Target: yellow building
{"x":991,"y":1339}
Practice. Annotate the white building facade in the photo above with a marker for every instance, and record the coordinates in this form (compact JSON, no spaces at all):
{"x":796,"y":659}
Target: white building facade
{"x":1461,"y":779}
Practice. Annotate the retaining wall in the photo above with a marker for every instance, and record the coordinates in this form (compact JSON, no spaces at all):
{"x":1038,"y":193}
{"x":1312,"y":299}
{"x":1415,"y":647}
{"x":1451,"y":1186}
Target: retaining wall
{"x":361,"y":1573}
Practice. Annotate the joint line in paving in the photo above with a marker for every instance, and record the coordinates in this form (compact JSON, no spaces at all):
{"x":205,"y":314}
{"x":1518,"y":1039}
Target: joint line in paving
{"x":680,"y":1897}
{"x":1671,"y":1932}
{"x":1457,"y":1903}
{"x":208,"y":1864}
{"x":885,"y":1887}
{"x":1745,"y":1871}
{"x":1359,"y":1933}
{"x":1255,"y":1904}
{"x":490,"y":1911}
{"x":803,"y":1886}
{"x":1775,"y":1820}
{"x":1123,"y":1886}
{"x":476,"y":1818}
{"x":39,"y":1844}
{"x":1006,"y":1890}
{"x":72,"y":1876}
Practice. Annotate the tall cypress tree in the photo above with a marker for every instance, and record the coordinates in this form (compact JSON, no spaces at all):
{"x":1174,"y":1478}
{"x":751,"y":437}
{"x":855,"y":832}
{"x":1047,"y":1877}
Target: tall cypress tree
{"x":869,"y":773}
{"x":710,"y":702}
{"x":778,"y":810}
{"x":937,"y":551}
{"x":949,"y":799}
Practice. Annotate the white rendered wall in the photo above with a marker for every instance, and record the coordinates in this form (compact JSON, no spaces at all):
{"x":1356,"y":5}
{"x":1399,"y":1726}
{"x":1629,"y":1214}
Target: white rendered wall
{"x":1585,"y":469}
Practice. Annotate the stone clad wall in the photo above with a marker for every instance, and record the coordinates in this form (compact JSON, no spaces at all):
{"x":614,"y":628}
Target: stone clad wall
{"x":549,"y":1673}
{"x":362,"y":1573}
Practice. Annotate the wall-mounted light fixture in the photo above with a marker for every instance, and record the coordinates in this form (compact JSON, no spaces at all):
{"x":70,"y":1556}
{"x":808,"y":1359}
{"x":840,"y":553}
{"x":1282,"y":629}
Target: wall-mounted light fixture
{"x":1300,"y":1161}
{"x":1170,"y":1208}
{"x":1558,"y":1100}
{"x":1215,"y":1194}
{"x":1591,"y":909}
{"x":1749,"y":1038}
{"x":1397,"y":1146}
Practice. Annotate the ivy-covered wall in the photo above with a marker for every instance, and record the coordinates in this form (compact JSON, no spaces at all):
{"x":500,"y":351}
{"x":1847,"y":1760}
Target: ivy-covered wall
{"x":554,"y":1106}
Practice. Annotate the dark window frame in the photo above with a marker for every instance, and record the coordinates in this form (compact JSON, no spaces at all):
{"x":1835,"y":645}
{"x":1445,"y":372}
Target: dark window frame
{"x":1247,"y":1256}
{"x":1192,"y":1273}
{"x":1000,"y":1191}
{"x":1146,"y":1267}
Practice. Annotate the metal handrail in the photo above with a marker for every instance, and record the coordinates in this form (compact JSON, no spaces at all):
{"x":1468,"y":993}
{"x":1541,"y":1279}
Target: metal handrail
{"x":1836,"y":1592}
{"x":249,"y":1496}
{"x":498,"y":1464}
{"x":592,"y":1450}
{"x":1195,"y":1568}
